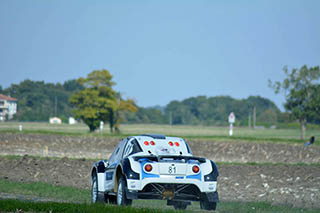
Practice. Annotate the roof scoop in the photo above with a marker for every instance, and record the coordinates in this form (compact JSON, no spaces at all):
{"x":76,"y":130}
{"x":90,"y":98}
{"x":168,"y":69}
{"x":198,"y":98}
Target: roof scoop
{"x":155,"y":136}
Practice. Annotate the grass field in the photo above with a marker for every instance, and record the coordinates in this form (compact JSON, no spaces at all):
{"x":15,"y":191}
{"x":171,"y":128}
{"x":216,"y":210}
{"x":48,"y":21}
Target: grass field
{"x":194,"y":132}
{"x":70,"y":196}
{"x":43,"y":190}
{"x":19,"y":206}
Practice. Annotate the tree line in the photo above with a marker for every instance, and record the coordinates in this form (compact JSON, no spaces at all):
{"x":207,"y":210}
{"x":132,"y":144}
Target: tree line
{"x":38,"y":101}
{"x":93,"y":99}
{"x":204,"y":110}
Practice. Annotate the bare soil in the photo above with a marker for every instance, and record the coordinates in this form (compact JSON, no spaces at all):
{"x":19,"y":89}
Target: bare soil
{"x":99,"y":147}
{"x":284,"y":183}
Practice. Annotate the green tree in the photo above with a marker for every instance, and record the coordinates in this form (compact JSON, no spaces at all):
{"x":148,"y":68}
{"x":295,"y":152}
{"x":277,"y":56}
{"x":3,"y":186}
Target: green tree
{"x":91,"y":107}
{"x":99,"y":102}
{"x":215,"y":110}
{"x":145,"y":115}
{"x":301,"y":87}
{"x":268,"y":116}
{"x":178,"y":113}
{"x":116,"y":116}
{"x":72,"y":86}
{"x":37,"y":100}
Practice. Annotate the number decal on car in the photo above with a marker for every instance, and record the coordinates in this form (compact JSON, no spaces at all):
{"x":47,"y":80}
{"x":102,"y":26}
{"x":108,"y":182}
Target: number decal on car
{"x":172,"y":169}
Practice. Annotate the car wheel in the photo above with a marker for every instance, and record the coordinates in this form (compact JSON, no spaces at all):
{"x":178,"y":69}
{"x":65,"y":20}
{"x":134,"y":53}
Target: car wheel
{"x":180,"y":205}
{"x":121,"y":193}
{"x":96,"y":197}
{"x":206,"y":205}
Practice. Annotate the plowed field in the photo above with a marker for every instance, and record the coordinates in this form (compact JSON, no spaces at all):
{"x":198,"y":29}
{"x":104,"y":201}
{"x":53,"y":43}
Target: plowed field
{"x":277,"y":178}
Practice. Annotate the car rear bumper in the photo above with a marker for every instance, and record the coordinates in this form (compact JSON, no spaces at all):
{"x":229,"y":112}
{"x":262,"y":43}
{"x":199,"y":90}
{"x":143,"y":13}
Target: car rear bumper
{"x":196,"y":196}
{"x":203,"y":186}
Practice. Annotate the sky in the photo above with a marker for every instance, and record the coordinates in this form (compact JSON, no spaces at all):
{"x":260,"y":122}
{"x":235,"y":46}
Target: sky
{"x":160,"y":51}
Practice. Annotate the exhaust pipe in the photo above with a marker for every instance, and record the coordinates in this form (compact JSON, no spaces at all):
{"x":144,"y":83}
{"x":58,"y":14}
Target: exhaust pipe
{"x":167,"y":194}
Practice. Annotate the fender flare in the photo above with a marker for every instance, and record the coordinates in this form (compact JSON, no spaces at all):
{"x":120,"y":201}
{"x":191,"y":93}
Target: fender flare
{"x":98,"y":167}
{"x":127,"y":170}
{"x":213,"y":175}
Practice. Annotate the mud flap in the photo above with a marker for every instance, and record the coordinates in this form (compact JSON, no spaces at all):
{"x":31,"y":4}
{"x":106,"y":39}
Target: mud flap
{"x":213,"y":196}
{"x":132,"y":195}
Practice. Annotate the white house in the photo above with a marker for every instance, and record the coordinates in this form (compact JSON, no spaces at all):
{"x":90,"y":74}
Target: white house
{"x":8,"y":107}
{"x":55,"y":120}
{"x":72,"y":120}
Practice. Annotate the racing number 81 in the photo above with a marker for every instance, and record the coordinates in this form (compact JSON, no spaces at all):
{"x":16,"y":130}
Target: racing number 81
{"x":172,"y":170}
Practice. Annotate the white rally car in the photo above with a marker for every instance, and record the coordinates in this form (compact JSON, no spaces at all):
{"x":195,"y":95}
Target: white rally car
{"x":155,"y":167}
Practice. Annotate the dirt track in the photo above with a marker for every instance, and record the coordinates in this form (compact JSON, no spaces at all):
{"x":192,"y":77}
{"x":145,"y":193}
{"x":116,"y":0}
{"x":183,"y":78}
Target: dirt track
{"x":286,"y":184}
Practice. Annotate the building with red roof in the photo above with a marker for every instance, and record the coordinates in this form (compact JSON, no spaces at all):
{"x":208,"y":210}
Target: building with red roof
{"x":8,"y":107}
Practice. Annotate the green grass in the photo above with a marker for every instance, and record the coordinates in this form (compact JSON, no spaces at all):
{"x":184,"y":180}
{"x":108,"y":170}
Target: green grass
{"x":220,"y":133}
{"x":14,"y":205}
{"x":70,"y":196}
{"x":258,"y":207}
{"x":44,"y":190}
{"x":188,"y":132}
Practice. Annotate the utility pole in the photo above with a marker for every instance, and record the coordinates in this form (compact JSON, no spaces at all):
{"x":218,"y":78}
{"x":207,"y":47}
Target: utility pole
{"x":55,"y":107}
{"x":254,"y":117}
{"x":249,"y":120}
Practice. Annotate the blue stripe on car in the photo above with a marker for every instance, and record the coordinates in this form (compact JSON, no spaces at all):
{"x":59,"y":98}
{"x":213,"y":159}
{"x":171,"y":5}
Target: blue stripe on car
{"x":197,"y":176}
{"x":144,"y":175}
{"x":193,"y":162}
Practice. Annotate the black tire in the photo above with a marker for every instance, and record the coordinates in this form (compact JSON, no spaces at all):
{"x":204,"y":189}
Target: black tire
{"x":96,"y":197}
{"x":121,"y":193}
{"x":180,"y":205}
{"x":206,"y":205}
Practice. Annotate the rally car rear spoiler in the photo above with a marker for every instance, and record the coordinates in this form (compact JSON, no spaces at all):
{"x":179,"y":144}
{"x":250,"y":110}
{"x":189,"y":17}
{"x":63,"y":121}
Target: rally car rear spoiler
{"x":169,"y":157}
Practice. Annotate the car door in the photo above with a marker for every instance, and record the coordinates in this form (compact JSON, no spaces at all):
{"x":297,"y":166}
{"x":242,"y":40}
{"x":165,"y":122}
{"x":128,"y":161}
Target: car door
{"x":131,"y":147}
{"x":113,"y":163}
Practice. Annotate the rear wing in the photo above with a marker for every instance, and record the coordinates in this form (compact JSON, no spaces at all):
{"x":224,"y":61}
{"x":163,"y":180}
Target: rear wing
{"x":169,"y":157}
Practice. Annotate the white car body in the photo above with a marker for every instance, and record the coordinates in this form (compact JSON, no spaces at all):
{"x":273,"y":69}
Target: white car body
{"x":156,"y":167}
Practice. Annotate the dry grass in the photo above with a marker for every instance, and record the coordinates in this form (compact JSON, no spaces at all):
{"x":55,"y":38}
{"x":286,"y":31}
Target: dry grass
{"x":178,"y":130}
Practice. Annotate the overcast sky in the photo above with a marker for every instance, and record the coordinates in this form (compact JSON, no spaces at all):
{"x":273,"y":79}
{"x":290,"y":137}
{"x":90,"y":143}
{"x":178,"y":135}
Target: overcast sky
{"x":159,"y":51}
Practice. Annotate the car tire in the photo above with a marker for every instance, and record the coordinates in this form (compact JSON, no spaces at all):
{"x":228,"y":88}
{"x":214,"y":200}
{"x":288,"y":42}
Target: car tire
{"x":96,"y":197}
{"x":180,"y":205}
{"x":121,"y":193}
{"x":206,"y":205}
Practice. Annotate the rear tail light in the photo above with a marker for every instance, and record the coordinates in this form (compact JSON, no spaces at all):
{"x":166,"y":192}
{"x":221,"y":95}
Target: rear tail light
{"x":170,"y":143}
{"x":152,"y":143}
{"x":195,"y":169}
{"x":176,"y":143}
{"x":146,"y":143}
{"x":148,"y":167}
